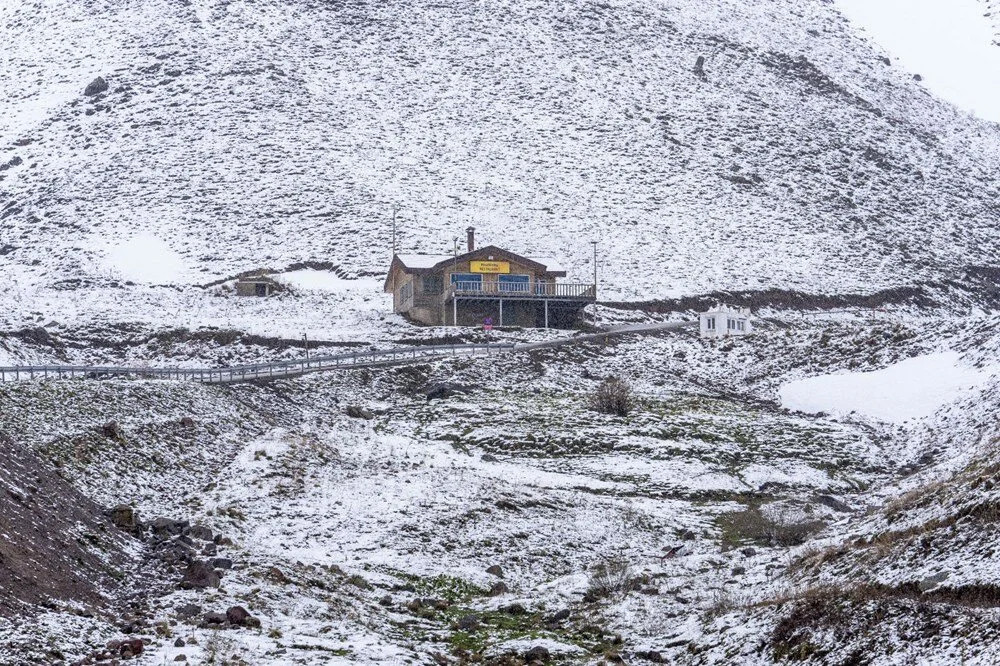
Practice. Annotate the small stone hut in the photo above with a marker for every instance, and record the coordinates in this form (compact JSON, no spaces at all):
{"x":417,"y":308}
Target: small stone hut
{"x":257,"y":285}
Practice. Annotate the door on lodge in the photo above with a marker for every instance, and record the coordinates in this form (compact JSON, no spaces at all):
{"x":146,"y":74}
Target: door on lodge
{"x":514,"y":283}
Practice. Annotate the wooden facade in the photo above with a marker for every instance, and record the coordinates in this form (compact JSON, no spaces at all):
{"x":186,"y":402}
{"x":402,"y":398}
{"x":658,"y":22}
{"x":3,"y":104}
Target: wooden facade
{"x":484,"y":286}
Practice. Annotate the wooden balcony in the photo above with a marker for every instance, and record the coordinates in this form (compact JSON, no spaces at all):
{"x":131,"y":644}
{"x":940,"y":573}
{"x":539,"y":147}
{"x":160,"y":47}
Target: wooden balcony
{"x":552,"y":291}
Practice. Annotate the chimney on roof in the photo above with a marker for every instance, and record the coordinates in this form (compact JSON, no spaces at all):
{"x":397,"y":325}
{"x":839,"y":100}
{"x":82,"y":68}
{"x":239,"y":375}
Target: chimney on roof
{"x":470,"y":235}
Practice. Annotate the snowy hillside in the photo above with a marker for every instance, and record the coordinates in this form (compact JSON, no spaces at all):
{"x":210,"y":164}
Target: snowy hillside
{"x":822,"y":491}
{"x":993,"y":12}
{"x":248,"y":134}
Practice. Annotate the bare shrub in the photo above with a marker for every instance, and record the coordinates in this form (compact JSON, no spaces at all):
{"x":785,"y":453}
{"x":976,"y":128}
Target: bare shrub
{"x":723,"y":602}
{"x":752,"y":526}
{"x":613,"y":396}
{"x":610,"y":578}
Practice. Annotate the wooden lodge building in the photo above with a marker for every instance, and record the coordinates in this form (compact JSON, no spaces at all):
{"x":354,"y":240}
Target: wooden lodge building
{"x":485,"y":286}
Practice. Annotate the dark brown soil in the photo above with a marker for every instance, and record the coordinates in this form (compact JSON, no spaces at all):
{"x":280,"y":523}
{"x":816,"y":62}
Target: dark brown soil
{"x":57,"y":545}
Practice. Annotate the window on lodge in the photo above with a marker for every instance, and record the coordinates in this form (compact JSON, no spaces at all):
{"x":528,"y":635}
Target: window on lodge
{"x":517,"y":283}
{"x":467,"y":281}
{"x":710,"y":324}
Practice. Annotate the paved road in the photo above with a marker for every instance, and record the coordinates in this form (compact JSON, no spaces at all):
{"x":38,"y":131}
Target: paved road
{"x":294,"y":368}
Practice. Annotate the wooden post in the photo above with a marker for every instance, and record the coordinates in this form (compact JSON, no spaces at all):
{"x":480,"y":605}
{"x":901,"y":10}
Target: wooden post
{"x":454,"y":311}
{"x":546,"y":313}
{"x":501,"y":313}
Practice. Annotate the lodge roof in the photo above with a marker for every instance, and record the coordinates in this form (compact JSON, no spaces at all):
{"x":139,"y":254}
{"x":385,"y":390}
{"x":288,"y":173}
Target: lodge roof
{"x":422,"y":264}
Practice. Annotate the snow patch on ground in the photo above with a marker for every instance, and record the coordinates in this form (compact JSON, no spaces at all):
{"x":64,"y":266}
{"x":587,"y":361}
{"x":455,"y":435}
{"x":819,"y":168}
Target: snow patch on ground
{"x":911,"y":389}
{"x":144,"y":258}
{"x":314,"y":280}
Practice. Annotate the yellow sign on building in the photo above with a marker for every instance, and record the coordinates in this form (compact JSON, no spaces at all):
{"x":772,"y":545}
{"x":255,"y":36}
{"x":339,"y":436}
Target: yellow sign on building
{"x":489,"y":266}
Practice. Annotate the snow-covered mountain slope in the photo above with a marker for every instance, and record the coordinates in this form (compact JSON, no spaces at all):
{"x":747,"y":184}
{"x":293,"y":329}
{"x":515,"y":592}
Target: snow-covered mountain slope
{"x":992,"y":8}
{"x":246,"y":134}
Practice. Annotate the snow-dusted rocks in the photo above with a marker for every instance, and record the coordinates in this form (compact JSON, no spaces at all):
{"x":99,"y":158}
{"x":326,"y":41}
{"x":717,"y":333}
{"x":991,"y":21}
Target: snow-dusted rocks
{"x":96,"y":87}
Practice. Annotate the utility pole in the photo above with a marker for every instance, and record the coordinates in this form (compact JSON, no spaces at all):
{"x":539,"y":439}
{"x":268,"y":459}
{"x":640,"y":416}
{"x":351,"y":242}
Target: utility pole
{"x":594,"y":243}
{"x":305,"y":339}
{"x":454,"y":292}
{"x":395,"y":209}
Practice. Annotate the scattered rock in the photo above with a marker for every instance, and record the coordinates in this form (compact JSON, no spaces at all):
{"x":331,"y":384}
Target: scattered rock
{"x":112,"y":430}
{"x":96,"y":87}
{"x":200,"y":532}
{"x":12,"y":162}
{"x":213,"y":619}
{"x":179,"y":642}
{"x":237,"y":616}
{"x":442,"y":390}
{"x":181,"y":657}
{"x":132,"y":647}
{"x":188,"y":610}
{"x":199,"y":575}
{"x":651,"y":655}
{"x":173,"y":552}
{"x":748,"y":552}
{"x":499,"y":589}
{"x":468,"y":622}
{"x":276,"y":575}
{"x":126,"y":519}
{"x":187,"y":422}
{"x":222,"y":563}
{"x":739,"y":571}
{"x":495,"y":570}
{"x":356,"y":412}
{"x":558,"y":616}
{"x":489,"y":457}
{"x":385,"y":601}
{"x":168,"y":526}
{"x":537,"y":654}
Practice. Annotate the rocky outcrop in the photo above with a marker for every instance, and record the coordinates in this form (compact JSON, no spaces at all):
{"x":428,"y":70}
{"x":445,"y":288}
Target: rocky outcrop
{"x":96,"y":87}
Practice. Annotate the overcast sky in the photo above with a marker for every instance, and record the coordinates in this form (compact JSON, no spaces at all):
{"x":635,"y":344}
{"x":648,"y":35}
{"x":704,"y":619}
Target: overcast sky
{"x":948,"y":42}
